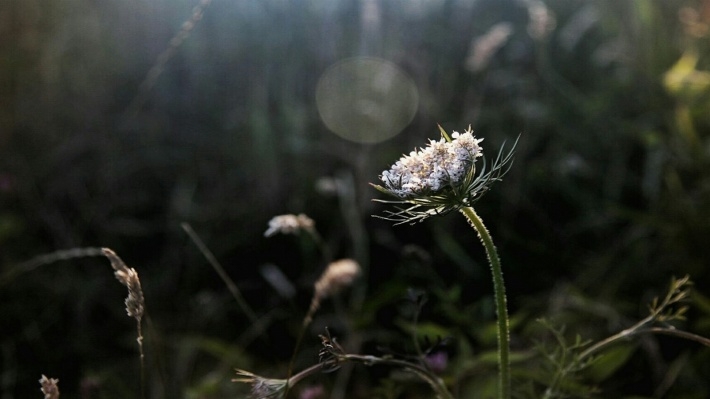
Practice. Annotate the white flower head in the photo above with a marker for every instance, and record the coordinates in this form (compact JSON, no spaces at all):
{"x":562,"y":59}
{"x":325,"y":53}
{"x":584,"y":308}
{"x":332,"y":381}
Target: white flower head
{"x":440,"y":177}
{"x":441,"y":165}
{"x":289,"y":224}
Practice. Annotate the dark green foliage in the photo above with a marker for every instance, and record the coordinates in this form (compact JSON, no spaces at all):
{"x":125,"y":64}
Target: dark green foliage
{"x":609,"y":195}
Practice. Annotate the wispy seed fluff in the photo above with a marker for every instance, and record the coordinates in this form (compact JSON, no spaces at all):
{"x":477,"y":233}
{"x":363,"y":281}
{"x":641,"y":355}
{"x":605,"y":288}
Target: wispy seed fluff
{"x":262,"y":388}
{"x":289,"y":224}
{"x":432,"y":169}
{"x":337,"y":276}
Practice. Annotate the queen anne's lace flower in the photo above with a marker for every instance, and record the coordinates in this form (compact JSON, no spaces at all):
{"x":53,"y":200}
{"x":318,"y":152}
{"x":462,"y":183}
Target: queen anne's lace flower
{"x":440,"y":178}
{"x":440,"y":165}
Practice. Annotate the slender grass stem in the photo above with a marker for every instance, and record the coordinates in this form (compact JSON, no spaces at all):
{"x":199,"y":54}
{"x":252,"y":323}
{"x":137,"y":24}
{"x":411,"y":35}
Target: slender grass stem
{"x":616,"y":337}
{"x":500,"y":300}
{"x":659,"y":312}
{"x":220,"y":272}
{"x":142,"y":357}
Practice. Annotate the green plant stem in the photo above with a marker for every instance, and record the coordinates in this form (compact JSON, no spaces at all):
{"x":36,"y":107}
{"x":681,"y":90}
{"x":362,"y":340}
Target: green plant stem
{"x":231,"y":286}
{"x":296,"y":378}
{"x":677,"y":292}
{"x":616,"y":337}
{"x":500,"y":300}
{"x":638,"y":329}
{"x":435,"y":382}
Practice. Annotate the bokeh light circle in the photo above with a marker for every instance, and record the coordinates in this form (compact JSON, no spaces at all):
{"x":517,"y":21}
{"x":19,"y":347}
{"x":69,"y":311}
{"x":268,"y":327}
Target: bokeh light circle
{"x":366,"y":100}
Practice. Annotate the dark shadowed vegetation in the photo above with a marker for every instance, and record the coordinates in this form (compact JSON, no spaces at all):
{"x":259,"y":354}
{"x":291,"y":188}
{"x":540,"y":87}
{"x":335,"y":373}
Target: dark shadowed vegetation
{"x":151,"y":126}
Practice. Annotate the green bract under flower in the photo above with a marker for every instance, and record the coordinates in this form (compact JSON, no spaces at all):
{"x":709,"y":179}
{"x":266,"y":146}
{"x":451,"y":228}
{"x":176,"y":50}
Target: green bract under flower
{"x":440,"y":178}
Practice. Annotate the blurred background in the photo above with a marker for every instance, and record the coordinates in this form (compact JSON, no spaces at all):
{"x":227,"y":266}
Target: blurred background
{"x":120,"y":120}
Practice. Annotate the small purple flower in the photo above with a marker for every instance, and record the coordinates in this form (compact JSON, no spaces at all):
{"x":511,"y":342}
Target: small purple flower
{"x":437,"y":361}
{"x":312,"y":392}
{"x":6,"y":182}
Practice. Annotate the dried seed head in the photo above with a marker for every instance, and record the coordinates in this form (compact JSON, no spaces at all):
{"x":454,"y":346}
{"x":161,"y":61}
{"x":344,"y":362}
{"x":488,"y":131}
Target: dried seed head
{"x":135,"y":303}
{"x":289,"y":224}
{"x":134,"y":300}
{"x":49,"y":387}
{"x":262,"y":388}
{"x":337,"y":276}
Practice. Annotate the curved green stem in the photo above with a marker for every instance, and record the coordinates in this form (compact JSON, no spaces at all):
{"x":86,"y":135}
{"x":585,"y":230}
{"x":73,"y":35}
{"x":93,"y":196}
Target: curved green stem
{"x":435,"y":382}
{"x":501,"y":307}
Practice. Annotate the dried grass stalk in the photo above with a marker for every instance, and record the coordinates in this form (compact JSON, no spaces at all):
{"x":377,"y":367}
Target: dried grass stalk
{"x":337,"y":276}
{"x":135,"y":302}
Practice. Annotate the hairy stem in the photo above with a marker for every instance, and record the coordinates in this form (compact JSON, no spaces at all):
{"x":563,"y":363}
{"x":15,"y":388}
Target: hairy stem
{"x":500,"y":300}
